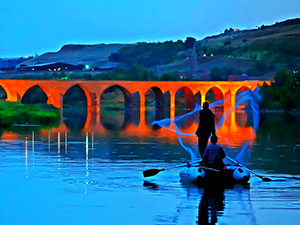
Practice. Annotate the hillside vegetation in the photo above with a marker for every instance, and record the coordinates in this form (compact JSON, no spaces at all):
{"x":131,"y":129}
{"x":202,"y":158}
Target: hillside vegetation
{"x":257,"y":53}
{"x":270,"y":47}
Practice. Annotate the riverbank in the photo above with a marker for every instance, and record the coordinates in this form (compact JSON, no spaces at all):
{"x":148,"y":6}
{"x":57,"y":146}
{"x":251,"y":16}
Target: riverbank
{"x":283,"y":95}
{"x":12,"y":113}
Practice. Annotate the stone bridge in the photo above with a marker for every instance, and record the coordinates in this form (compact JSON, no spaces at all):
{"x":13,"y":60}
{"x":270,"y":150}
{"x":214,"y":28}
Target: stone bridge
{"x":55,"y":90}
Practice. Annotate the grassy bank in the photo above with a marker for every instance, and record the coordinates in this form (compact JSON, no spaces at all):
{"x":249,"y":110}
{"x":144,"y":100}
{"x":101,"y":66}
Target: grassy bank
{"x":17,"y":113}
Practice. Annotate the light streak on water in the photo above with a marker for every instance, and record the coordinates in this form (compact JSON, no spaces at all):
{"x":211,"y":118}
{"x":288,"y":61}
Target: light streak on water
{"x":66,"y":142}
{"x":58,"y":143}
{"x":32,"y":142}
{"x":49,"y":141}
{"x":245,"y":96}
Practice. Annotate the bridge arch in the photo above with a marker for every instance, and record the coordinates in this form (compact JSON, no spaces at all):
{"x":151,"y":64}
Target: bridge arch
{"x":123,"y":89}
{"x":242,"y":89}
{"x":158,"y":96}
{"x":4,"y":94}
{"x":237,"y":96}
{"x":214,"y":94}
{"x":188,"y":97}
{"x":45,"y":95}
{"x":126,"y":93}
{"x":86,"y":92}
{"x":75,"y":103}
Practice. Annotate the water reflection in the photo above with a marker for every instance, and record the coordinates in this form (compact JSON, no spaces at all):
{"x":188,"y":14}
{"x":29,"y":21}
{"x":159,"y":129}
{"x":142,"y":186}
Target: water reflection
{"x":155,"y":114}
{"x":212,"y":202}
{"x":72,"y":123}
{"x":234,"y":132}
{"x":115,"y":120}
{"x":211,"y":205}
{"x":276,"y":135}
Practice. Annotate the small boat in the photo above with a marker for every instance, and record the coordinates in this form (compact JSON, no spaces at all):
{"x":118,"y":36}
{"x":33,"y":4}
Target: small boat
{"x":26,"y":125}
{"x":202,"y":175}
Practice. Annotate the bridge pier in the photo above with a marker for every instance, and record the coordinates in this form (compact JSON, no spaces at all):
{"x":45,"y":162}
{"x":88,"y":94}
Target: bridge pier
{"x":13,"y":97}
{"x":97,"y":103}
{"x":203,"y":97}
{"x":142,"y":102}
{"x":142,"y":121}
{"x":229,"y":105}
{"x":172,"y":105}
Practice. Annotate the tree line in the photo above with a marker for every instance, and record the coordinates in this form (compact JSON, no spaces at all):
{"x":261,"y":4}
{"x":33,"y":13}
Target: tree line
{"x":283,"y":93}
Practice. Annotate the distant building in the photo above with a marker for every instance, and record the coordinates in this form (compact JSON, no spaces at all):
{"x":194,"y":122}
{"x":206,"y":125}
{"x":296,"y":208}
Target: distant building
{"x":7,"y":64}
{"x":109,"y":66}
{"x":183,"y":75}
{"x":238,"y":77}
{"x":52,"y":67}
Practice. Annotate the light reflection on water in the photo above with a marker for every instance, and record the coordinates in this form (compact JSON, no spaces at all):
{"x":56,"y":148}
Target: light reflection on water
{"x":102,"y":183}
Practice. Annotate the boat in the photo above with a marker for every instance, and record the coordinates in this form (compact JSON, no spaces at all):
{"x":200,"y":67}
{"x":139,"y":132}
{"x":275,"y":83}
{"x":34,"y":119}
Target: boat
{"x":202,"y":175}
{"x":26,"y":125}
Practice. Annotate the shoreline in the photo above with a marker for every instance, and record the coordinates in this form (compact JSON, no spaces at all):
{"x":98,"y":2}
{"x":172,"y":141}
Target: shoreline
{"x":27,"y":114}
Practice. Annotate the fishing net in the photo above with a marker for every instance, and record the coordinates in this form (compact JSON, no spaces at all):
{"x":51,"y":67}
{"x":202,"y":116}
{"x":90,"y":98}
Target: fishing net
{"x":249,"y":96}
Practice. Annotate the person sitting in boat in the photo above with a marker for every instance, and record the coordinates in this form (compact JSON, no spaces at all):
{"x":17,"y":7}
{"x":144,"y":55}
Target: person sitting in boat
{"x":205,"y":128}
{"x":214,"y":154}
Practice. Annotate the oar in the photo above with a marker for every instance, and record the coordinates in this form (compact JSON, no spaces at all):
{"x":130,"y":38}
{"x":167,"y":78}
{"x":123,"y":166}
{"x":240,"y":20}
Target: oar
{"x":261,"y":177}
{"x":152,"y":172}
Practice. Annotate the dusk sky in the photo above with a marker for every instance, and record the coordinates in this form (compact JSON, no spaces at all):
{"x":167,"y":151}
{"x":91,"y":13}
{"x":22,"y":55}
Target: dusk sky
{"x":29,"y":27}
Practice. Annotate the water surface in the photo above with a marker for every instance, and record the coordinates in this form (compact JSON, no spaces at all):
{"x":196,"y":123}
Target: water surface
{"x":95,"y":176}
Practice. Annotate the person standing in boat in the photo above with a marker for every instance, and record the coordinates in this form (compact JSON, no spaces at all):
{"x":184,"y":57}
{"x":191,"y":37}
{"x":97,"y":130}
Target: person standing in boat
{"x":206,"y":127}
{"x":214,"y":154}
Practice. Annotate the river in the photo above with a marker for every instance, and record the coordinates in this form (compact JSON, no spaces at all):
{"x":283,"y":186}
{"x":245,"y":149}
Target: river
{"x":90,"y":172}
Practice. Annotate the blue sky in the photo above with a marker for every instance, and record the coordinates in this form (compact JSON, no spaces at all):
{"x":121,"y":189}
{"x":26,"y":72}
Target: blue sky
{"x":37,"y":26}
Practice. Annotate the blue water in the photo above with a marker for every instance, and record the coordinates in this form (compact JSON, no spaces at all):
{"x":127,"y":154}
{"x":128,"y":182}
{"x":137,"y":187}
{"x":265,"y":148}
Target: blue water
{"x":102,"y":182}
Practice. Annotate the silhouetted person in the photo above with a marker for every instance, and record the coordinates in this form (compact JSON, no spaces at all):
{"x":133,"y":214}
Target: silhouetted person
{"x":214,"y":154}
{"x":212,"y":201}
{"x":206,"y":127}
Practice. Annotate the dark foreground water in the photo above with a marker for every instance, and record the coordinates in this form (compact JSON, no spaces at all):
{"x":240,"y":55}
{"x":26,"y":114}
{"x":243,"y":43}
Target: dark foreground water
{"x":96,"y":178}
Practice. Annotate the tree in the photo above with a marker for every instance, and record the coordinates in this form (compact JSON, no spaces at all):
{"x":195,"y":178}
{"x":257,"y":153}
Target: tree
{"x":170,"y":76}
{"x":189,"y":42}
{"x":227,"y":42}
{"x":281,"y":78}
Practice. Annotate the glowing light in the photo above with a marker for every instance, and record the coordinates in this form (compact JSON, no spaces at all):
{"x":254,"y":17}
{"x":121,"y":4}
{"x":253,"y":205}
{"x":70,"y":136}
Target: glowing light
{"x":242,"y":97}
{"x":204,"y":55}
{"x":212,"y":55}
{"x":87,"y":67}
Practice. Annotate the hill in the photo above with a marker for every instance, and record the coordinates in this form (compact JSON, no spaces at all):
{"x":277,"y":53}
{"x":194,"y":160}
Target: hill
{"x":255,"y":53}
{"x":93,"y":55}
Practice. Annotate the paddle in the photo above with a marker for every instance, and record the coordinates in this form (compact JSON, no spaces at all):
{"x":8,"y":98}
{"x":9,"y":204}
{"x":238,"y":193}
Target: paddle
{"x":261,"y":177}
{"x":152,"y":172}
